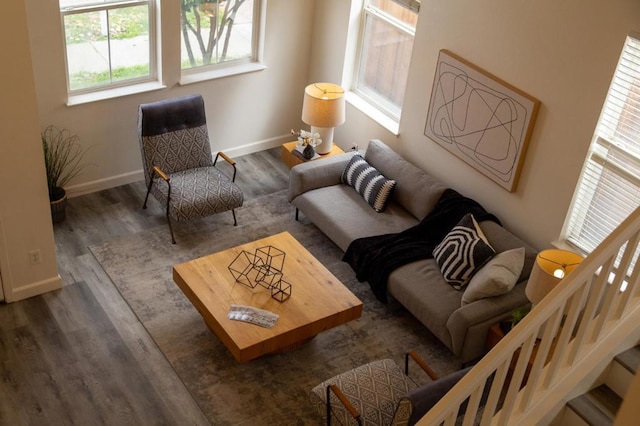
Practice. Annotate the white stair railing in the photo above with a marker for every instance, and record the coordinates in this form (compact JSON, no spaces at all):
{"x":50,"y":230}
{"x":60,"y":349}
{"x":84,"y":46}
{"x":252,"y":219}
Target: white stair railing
{"x":581,"y":323}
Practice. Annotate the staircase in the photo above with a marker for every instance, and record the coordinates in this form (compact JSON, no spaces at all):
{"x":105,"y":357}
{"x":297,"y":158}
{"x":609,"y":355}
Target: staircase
{"x":599,"y":406}
{"x":576,"y":331}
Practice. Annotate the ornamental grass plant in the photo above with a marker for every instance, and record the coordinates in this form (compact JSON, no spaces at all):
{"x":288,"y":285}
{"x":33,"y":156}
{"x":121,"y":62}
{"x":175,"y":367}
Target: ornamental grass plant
{"x":63,"y":155}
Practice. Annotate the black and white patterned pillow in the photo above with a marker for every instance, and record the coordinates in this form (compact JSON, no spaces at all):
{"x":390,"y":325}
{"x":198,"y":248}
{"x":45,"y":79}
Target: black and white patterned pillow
{"x":368,"y":182}
{"x":462,"y":252}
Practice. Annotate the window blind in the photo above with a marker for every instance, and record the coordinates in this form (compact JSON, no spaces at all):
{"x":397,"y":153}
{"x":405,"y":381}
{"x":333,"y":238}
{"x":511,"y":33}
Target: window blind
{"x":609,"y":187}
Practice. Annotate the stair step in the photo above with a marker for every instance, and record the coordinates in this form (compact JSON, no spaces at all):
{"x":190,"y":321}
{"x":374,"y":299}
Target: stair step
{"x":598,"y":407}
{"x":630,"y":359}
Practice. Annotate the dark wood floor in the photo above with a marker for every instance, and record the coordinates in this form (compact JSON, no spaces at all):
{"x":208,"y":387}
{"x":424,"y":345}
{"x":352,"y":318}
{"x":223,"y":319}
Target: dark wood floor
{"x":79,"y":355}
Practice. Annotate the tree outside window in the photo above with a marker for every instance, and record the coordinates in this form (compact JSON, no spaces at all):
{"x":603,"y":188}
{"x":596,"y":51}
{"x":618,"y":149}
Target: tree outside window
{"x":216,"y":32}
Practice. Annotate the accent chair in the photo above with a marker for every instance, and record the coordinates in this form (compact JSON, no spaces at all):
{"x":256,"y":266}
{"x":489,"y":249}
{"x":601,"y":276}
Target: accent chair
{"x":178,"y":166}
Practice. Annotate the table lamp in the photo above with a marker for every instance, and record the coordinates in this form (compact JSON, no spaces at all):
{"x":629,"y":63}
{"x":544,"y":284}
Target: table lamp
{"x":550,"y":268}
{"x":323,"y":109}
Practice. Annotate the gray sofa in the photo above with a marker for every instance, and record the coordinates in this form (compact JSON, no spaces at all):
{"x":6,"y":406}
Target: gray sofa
{"x":343,"y":215}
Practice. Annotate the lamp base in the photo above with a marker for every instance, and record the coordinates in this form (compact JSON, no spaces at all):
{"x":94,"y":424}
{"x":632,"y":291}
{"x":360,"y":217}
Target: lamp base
{"x":326,"y":134}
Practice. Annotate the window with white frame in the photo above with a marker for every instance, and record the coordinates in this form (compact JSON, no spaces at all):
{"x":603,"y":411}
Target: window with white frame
{"x":108,"y":43}
{"x":385,"y":53}
{"x":218,"y":33}
{"x":609,"y":187}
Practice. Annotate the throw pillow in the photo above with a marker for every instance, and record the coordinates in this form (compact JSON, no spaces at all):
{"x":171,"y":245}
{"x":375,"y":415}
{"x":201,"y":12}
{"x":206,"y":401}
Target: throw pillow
{"x":368,"y":182}
{"x":497,"y":277}
{"x":462,"y":252}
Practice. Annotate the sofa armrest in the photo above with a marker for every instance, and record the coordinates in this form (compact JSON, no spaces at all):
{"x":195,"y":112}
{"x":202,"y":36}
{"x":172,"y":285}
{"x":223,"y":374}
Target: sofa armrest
{"x":470,"y":323}
{"x":316,"y":174}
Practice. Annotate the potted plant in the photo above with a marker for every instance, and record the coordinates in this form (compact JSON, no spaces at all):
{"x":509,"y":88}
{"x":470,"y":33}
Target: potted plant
{"x":516,"y":316}
{"x":63,"y":157}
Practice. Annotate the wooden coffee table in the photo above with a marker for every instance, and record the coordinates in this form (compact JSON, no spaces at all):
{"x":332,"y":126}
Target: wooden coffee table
{"x":318,"y":302}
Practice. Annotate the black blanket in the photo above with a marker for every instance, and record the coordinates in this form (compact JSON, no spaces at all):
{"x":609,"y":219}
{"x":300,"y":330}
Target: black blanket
{"x":374,"y":258}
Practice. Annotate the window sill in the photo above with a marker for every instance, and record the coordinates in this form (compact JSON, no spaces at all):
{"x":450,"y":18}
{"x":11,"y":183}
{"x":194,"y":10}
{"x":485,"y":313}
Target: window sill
{"x":372,"y":112}
{"x":114,"y":93}
{"x":190,"y":77}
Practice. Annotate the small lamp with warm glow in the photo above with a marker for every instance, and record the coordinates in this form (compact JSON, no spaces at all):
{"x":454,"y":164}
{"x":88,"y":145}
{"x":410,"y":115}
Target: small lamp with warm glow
{"x":550,"y":268}
{"x":323,"y":109}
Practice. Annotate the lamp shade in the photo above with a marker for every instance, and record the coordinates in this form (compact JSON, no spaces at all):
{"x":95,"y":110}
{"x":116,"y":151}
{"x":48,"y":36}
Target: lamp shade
{"x":550,"y":268}
{"x":323,"y":105}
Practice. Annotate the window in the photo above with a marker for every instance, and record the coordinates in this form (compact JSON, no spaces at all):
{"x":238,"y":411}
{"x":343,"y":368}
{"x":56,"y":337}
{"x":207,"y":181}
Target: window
{"x":609,"y":187}
{"x":109,"y":43}
{"x":385,"y":53}
{"x":218,"y":33}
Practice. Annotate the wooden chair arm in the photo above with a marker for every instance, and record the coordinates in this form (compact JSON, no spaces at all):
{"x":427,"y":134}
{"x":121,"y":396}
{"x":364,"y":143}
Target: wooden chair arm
{"x":160,"y":173}
{"x":422,"y":363}
{"x":228,"y":160}
{"x":344,"y":400}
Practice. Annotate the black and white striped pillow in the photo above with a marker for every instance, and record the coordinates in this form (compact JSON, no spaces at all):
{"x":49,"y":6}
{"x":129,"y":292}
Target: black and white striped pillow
{"x":368,"y":182}
{"x":462,"y":252}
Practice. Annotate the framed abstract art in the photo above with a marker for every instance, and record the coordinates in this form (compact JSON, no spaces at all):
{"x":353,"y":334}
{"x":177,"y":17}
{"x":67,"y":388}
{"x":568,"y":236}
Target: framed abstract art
{"x":480,"y":118}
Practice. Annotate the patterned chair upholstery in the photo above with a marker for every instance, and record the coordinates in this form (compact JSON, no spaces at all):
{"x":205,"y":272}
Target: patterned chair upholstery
{"x":178,"y":166}
{"x":380,"y":393}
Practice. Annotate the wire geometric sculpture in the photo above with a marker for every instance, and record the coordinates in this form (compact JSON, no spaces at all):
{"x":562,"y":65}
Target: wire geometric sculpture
{"x":263,"y":267}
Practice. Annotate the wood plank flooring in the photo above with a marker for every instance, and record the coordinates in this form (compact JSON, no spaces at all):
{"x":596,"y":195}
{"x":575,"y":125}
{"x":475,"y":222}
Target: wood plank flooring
{"x":79,"y":355}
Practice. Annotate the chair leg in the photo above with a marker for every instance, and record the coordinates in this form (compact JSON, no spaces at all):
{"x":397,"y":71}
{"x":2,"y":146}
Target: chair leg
{"x":144,"y":206}
{"x":328,"y":395}
{"x":173,"y":240}
{"x":235,"y":222}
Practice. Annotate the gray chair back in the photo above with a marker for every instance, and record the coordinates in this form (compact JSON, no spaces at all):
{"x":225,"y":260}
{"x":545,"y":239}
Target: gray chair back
{"x":163,"y":128}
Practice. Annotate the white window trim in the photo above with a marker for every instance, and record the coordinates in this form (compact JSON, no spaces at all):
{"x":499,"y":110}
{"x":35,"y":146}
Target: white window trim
{"x":372,"y":112}
{"x":145,"y":84}
{"x":367,"y":105}
{"x":186,"y":76}
{"x":117,"y":92}
{"x":600,"y":143}
{"x":227,"y":69}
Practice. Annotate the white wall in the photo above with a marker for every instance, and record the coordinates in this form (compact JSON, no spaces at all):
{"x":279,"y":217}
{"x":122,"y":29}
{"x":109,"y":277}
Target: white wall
{"x":25,"y":218}
{"x":245,"y":113}
{"x":561,"y":52}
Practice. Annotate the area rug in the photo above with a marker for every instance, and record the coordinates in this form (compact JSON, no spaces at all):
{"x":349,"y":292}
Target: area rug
{"x":273,"y":389}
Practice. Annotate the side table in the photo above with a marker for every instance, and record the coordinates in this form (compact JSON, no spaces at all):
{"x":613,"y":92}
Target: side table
{"x":496,"y":334}
{"x":290,"y":160}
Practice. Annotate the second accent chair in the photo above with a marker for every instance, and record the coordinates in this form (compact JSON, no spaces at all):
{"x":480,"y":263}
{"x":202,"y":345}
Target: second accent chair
{"x":179,"y":169}
{"x":381,"y":393}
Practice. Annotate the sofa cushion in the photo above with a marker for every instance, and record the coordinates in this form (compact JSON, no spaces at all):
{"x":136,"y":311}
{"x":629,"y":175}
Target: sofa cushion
{"x":462,"y":252}
{"x":343,"y":215}
{"x":502,"y":240}
{"x":498,"y":276}
{"x":368,"y":182}
{"x":420,"y":287}
{"x":416,"y":191}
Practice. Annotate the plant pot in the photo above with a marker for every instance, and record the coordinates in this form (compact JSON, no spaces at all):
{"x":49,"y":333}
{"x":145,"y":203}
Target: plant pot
{"x":308,"y":152}
{"x":59,"y":206}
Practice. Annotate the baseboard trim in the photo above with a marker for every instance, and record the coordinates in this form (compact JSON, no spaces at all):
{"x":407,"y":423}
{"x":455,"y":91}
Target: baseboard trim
{"x":106,"y":183}
{"x":33,"y":289}
{"x":138,"y":175}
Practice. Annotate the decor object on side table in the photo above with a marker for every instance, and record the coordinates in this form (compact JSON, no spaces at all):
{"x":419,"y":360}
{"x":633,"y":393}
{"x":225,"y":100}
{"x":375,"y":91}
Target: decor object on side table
{"x":63,"y":157}
{"x":323,"y":109}
{"x":550,"y":268}
{"x":480,"y":118}
{"x":307,"y":143}
{"x":291,"y":156}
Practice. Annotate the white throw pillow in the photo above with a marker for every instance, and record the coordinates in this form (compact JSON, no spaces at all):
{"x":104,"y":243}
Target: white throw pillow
{"x":497,"y":277}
